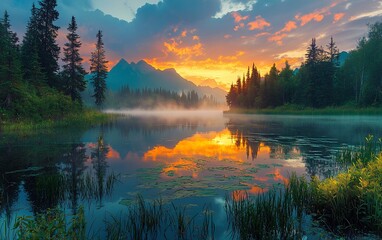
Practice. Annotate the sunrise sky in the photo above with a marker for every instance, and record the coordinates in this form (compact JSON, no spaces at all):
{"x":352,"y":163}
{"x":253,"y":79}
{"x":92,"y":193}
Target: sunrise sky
{"x":210,"y":41}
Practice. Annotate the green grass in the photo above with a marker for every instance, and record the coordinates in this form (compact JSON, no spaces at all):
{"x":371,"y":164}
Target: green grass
{"x":84,"y":118}
{"x":300,"y":110}
{"x":351,"y":202}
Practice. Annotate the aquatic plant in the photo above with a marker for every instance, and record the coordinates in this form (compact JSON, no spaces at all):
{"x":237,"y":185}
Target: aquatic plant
{"x":276,"y":214}
{"x":155,"y":220}
{"x":366,"y":152}
{"x":51,"y":225}
{"x":352,"y":201}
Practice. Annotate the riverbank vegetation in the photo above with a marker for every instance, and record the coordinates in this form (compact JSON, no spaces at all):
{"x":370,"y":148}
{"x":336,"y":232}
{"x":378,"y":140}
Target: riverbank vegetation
{"x":33,"y":89}
{"x":326,"y":79}
{"x":292,"y":109}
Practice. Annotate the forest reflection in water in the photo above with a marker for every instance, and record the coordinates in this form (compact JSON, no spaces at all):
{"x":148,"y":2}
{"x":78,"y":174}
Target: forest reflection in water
{"x":194,"y":159}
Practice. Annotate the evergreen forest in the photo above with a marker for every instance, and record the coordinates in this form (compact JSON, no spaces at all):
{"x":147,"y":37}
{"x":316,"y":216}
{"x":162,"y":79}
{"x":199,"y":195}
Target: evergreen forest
{"x":321,"y":81}
{"x":33,"y":86}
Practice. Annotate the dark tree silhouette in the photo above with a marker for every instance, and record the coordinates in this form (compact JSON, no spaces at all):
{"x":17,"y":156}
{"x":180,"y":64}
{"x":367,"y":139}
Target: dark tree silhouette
{"x":47,"y":33}
{"x":98,"y":69}
{"x":73,"y":73}
{"x":29,"y":51}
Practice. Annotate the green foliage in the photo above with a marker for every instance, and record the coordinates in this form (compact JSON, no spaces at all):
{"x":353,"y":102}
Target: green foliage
{"x":39,"y":104}
{"x":352,"y":200}
{"x":51,"y":225}
{"x":29,"y":84}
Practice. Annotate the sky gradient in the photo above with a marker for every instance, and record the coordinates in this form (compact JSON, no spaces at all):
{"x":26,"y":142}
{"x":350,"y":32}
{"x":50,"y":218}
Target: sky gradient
{"x":209,"y":41}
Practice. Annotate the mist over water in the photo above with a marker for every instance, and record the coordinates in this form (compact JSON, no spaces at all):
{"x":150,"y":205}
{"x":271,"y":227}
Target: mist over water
{"x":169,"y":113}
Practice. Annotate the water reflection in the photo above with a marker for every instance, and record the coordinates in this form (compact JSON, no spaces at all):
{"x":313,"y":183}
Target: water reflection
{"x":41,"y":176}
{"x":214,"y":161}
{"x":193,"y":159}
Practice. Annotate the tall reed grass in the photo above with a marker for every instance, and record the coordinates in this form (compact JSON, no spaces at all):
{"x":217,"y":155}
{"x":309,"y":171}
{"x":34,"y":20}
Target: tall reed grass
{"x":277,"y":214}
{"x":154,"y":220}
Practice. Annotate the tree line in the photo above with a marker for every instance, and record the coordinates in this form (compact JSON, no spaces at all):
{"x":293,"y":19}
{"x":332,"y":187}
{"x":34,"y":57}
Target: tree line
{"x":148,"y":98}
{"x":31,"y":81}
{"x":321,"y":80}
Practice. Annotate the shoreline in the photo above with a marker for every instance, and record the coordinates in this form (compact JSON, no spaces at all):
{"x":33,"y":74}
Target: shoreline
{"x":337,"y":111}
{"x":88,"y":117}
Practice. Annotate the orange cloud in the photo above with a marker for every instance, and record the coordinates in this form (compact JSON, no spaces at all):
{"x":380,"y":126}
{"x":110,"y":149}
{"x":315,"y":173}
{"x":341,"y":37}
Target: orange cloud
{"x":112,"y":153}
{"x":317,"y":16}
{"x":184,"y":33}
{"x":338,"y":16}
{"x":262,"y":34}
{"x":280,"y":35}
{"x":277,"y":38}
{"x":259,"y":23}
{"x":289,"y":26}
{"x":237,"y":27}
{"x":196,"y":38}
{"x":183,"y":52}
{"x":238,"y":18}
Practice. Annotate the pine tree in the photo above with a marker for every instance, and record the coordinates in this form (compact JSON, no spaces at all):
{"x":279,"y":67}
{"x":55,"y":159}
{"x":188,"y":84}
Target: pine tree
{"x":312,"y":55}
{"x":286,"y":83}
{"x":232,"y":97}
{"x":10,"y":67}
{"x":47,"y":33}
{"x":29,"y":51}
{"x":333,"y":52}
{"x":98,"y":70}
{"x":11,"y":35}
{"x":73,"y":73}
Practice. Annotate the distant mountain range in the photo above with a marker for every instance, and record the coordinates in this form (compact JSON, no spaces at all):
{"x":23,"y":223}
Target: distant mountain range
{"x":342,"y":57}
{"x":142,"y":75}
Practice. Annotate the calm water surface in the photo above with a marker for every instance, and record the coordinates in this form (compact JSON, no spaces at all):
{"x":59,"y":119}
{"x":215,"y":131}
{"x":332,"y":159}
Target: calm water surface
{"x":192,"y":159}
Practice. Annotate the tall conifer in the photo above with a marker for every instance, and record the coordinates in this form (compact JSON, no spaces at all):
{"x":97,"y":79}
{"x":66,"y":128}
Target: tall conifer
{"x":98,"y":70}
{"x":47,"y":33}
{"x":73,"y":73}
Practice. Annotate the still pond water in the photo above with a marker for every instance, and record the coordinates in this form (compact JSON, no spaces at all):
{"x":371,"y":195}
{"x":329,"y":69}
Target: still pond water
{"x":192,"y":159}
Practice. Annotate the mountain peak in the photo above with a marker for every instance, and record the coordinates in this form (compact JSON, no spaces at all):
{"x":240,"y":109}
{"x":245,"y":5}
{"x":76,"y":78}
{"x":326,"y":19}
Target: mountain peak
{"x":143,"y":65}
{"x":122,"y":63}
{"x":170,"y":70}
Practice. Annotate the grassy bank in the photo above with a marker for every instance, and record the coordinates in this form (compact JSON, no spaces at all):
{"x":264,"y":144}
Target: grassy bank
{"x":83,"y":118}
{"x":300,"y":110}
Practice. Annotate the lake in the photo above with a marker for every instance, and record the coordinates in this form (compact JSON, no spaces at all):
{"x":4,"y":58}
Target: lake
{"x":191,"y":159}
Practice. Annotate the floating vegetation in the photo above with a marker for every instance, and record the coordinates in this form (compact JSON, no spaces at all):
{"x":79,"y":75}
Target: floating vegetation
{"x":262,"y":165}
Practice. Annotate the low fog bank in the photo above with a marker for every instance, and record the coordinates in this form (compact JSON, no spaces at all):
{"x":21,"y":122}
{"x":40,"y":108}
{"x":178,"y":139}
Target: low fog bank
{"x":189,"y":113}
